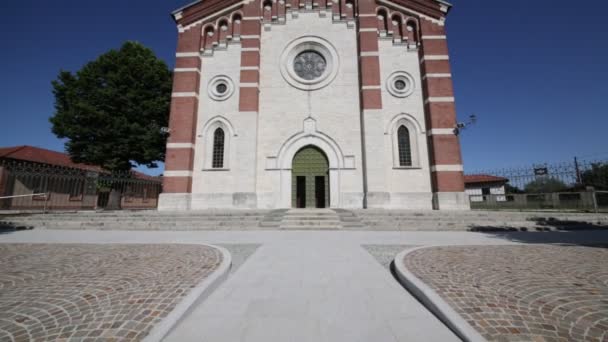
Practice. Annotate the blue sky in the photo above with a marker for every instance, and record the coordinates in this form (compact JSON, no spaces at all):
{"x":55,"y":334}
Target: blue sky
{"x":534,"y":72}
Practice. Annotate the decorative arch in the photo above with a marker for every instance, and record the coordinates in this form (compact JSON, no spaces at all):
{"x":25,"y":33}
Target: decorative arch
{"x":382,"y":14}
{"x":209,"y":37}
{"x":411,"y":27}
{"x":321,"y":141}
{"x":416,"y":137}
{"x":309,"y":137}
{"x":223,"y":29}
{"x":214,"y":121}
{"x":209,"y":137}
{"x":237,"y":17}
{"x":267,"y":10}
{"x":397,"y":26}
{"x":390,"y":127}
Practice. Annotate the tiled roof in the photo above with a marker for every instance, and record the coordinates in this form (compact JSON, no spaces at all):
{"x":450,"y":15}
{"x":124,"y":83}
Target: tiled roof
{"x":482,"y":178}
{"x":49,"y":157}
{"x":43,"y":156}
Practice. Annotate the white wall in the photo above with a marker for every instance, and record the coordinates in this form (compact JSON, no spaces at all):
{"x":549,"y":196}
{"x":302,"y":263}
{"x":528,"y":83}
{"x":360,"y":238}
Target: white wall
{"x":216,"y":188}
{"x":392,"y":186}
{"x":334,"y":109}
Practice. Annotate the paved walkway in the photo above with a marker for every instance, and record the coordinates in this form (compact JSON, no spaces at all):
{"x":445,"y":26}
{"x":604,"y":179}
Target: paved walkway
{"x":308,"y":286}
{"x":522,"y":293}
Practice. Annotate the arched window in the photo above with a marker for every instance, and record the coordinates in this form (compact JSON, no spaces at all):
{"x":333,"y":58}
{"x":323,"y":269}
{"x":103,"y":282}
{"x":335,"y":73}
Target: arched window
{"x":218,"y":149}
{"x":405,"y":150}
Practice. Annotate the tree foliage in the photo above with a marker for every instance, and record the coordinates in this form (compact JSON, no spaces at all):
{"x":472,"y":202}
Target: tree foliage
{"x":511,"y":189}
{"x":112,"y":110}
{"x":597,"y":176}
{"x":545,"y":185}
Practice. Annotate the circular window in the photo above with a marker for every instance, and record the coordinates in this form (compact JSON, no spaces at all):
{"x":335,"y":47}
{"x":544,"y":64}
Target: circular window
{"x":309,"y":63}
{"x":220,"y":88}
{"x":400,"y":84}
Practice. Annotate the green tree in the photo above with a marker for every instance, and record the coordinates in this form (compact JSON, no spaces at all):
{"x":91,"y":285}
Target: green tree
{"x":545,"y":185}
{"x":111,"y":111}
{"x":511,"y":189}
{"x":597,"y":176}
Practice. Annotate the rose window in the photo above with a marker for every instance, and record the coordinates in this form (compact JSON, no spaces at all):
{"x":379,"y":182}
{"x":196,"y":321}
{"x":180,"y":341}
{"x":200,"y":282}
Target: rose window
{"x":309,"y":65}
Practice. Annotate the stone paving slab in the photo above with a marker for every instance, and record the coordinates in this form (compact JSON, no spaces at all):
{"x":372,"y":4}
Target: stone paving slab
{"x":385,"y":254}
{"x":90,"y":292}
{"x":521,"y":293}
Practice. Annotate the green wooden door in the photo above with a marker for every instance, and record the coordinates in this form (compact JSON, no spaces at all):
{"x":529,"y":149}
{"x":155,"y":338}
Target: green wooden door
{"x":310,"y":179}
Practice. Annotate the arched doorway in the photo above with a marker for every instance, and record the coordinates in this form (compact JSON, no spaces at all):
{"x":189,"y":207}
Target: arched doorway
{"x":310,"y":179}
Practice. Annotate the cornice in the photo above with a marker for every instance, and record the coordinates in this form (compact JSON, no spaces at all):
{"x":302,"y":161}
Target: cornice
{"x":199,"y":9}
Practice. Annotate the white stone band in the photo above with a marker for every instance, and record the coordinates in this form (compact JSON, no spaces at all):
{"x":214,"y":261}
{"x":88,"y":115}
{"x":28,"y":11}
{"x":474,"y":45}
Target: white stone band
{"x":189,"y":94}
{"x":370,"y":54}
{"x":186,"y":70}
{"x":437,"y":75}
{"x":434,"y":58}
{"x":441,"y":131}
{"x":180,"y":145}
{"x":187,"y":54}
{"x":448,"y":168}
{"x":177,"y":173}
{"x":438,"y":99}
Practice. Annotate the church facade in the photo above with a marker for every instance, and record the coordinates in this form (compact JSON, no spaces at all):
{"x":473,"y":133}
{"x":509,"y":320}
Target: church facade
{"x":312,"y":104}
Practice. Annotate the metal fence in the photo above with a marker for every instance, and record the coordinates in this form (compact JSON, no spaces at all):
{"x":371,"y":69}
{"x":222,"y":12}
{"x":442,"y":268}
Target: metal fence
{"x":576,"y":185}
{"x":34,"y":186}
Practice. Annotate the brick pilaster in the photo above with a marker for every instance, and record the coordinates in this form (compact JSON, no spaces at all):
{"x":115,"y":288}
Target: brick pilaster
{"x":374,"y":184}
{"x":179,"y":159}
{"x":369,"y":59}
{"x":440,"y":110}
{"x":251,"y":29}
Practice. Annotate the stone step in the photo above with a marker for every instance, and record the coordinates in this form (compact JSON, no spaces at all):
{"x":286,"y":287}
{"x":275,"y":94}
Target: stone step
{"x":290,"y":227}
{"x":311,"y":223}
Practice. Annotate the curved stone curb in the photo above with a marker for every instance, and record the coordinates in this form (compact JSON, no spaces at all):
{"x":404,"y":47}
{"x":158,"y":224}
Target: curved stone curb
{"x":433,"y":301}
{"x":196,"y":295}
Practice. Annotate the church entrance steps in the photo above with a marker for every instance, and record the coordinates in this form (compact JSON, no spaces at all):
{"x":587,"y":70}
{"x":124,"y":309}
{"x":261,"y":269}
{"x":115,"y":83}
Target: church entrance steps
{"x":273,"y":219}
{"x":403,"y":220}
{"x":349,"y":219}
{"x":313,"y":219}
{"x":316,"y":219}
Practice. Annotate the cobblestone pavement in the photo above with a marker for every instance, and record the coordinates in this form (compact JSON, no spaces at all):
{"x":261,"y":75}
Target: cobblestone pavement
{"x":522,"y":293}
{"x":82,"y":292}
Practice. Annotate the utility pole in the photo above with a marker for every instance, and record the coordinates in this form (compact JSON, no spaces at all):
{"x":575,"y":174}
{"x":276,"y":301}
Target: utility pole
{"x":578,"y":172}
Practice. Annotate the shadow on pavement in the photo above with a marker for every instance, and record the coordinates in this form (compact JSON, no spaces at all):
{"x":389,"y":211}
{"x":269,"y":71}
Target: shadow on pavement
{"x":546,"y":225}
{"x":7,"y":228}
{"x":573,"y":237}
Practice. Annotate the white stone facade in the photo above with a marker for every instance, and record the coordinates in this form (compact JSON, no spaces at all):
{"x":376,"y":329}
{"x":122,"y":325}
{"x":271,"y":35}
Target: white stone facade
{"x":361,"y":145}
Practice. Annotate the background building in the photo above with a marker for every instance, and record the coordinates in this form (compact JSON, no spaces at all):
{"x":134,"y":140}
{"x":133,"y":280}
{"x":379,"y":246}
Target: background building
{"x":37,"y":178}
{"x":478,"y":186}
